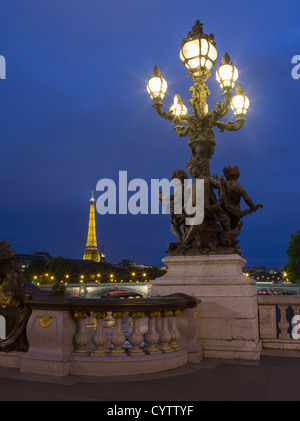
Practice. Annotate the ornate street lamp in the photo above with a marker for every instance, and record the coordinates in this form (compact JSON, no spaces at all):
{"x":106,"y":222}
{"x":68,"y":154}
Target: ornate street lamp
{"x":222,"y":215}
{"x":239,"y":102}
{"x":198,"y":54}
{"x":178,"y":108}
{"x":157,"y":85}
{"x":227,"y":73}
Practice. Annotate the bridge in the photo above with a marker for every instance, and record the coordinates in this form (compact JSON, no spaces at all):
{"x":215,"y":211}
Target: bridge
{"x":93,"y":290}
{"x":97,"y":290}
{"x":284,"y":288}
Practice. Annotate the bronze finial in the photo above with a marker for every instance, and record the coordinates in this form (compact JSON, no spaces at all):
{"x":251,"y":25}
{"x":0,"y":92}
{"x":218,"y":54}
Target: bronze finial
{"x":239,"y":90}
{"x":156,"y":72}
{"x":196,"y":29}
{"x":226,"y":59}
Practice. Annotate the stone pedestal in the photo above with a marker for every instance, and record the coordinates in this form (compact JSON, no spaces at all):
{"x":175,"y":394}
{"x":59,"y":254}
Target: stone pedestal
{"x":228,"y":312}
{"x":50,"y":335}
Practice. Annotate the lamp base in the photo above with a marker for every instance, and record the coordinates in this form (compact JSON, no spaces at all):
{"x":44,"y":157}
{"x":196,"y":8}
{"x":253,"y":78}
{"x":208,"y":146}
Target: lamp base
{"x":228,"y":311}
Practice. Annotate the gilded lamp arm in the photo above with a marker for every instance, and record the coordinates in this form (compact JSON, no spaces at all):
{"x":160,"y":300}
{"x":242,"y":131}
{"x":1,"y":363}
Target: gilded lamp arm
{"x":177,"y":119}
{"x":166,"y":115}
{"x":230,"y":126}
{"x":222,"y":107}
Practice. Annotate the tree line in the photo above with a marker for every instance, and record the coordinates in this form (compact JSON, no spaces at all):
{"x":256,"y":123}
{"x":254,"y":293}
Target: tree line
{"x":67,"y":270}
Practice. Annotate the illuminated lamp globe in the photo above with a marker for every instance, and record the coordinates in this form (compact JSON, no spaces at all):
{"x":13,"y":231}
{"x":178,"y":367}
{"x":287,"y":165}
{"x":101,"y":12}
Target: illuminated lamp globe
{"x":198,"y":52}
{"x":227,"y":73}
{"x":240,"y":102}
{"x":156,"y":85}
{"x":178,"y":108}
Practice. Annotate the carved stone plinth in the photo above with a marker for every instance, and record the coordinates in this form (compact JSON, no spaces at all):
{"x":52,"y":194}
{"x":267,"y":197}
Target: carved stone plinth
{"x":50,"y":334}
{"x":228,"y":312}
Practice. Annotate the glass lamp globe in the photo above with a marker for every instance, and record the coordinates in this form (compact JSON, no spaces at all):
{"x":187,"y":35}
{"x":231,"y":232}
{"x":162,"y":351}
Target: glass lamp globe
{"x":227,"y":73}
{"x":178,"y":108}
{"x":198,"y":52}
{"x":240,"y":102}
{"x":157,"y":85}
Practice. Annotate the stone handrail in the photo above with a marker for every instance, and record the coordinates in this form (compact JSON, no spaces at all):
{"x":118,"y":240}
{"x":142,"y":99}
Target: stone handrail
{"x":65,"y":302}
{"x":275,"y":323}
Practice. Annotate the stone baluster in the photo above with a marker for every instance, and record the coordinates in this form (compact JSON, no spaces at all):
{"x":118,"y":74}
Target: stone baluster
{"x":283,"y":323}
{"x":152,"y":336}
{"x":296,"y":309}
{"x":174,"y":331}
{"x":99,"y":337}
{"x":136,"y":338}
{"x":81,"y":338}
{"x":118,"y":337}
{"x":165,"y":335}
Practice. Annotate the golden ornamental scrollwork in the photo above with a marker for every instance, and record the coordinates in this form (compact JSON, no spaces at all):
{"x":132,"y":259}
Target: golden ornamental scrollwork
{"x":154,"y":314}
{"x":137,"y":314}
{"x":118,"y":315}
{"x":80,"y":315}
{"x":46,"y":320}
{"x":177,"y":312}
{"x":4,"y":300}
{"x":99,"y":314}
{"x":167,"y":313}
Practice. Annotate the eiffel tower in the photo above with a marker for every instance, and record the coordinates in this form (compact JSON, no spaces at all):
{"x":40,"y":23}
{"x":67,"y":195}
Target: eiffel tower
{"x":91,"y":250}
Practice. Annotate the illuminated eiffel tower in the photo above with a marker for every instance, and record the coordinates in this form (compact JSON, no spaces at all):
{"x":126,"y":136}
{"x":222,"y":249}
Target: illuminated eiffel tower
{"x":91,"y":250}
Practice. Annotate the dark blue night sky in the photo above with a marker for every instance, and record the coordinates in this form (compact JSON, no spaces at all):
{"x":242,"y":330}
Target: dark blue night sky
{"x":74,"y":109}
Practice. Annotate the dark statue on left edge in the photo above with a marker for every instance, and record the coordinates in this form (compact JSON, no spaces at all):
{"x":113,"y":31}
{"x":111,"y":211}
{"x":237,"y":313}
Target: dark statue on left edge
{"x":13,"y":296}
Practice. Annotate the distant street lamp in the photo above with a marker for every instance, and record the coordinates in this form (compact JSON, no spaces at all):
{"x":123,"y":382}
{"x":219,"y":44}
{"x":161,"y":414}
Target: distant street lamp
{"x":198,"y":54}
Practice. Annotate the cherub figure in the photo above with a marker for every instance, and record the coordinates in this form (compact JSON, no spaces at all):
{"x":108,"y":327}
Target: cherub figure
{"x":233,"y":192}
{"x":204,"y":234}
{"x":178,"y":227}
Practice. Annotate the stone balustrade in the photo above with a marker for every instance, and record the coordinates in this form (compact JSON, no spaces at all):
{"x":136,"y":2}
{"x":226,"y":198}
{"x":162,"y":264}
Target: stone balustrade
{"x":151,"y":332}
{"x":115,"y":337}
{"x":276,"y":325}
{"x":106,"y":337}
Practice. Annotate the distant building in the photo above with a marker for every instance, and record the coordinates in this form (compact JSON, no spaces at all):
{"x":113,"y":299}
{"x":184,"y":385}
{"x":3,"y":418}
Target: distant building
{"x":276,"y":270}
{"x":24,"y":260}
{"x":254,"y":269}
{"x":125,"y":264}
{"x":130,"y":264}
